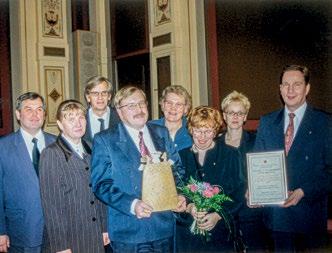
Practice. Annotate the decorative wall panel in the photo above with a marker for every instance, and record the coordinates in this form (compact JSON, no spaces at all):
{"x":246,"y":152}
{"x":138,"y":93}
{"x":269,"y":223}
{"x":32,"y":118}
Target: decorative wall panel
{"x":162,"y":11}
{"x":52,"y":18}
{"x":54,"y":81}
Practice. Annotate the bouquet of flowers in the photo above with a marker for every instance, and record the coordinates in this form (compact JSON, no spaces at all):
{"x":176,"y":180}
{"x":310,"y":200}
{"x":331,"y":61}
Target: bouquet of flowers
{"x":205,"y":197}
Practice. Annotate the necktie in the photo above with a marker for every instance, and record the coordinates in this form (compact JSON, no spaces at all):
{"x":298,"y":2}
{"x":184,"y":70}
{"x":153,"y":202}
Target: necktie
{"x":102,"y":124}
{"x":142,"y":147}
{"x":35,"y":154}
{"x":289,"y":136}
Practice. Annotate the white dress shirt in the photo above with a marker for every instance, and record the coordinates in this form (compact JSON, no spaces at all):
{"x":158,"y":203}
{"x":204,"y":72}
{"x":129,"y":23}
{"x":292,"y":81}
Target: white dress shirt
{"x":28,"y":141}
{"x":95,"y":123}
{"x":146,"y":137}
{"x":299,"y":113}
{"x":148,"y":143}
{"x":78,"y":148}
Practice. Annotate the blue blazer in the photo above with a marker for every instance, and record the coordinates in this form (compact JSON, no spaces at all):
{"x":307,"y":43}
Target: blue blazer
{"x":117,"y":181}
{"x":182,"y":137}
{"x":306,"y":164}
{"x":21,"y":214}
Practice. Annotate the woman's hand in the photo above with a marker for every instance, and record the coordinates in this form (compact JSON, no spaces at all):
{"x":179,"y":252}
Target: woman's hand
{"x":209,"y":221}
{"x":191,"y":208}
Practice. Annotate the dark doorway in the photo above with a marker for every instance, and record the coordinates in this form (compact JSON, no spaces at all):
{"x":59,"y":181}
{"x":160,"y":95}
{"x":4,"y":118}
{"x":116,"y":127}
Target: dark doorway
{"x":135,"y":70}
{"x":130,"y":43}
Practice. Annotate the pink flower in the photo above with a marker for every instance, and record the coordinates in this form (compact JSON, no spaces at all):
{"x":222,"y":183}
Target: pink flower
{"x":207,"y":193}
{"x":206,"y":185}
{"x":216,"y":190}
{"x":193,"y":187}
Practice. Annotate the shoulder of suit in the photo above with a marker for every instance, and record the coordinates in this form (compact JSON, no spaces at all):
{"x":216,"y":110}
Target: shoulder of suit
{"x":9,"y":137}
{"x":155,"y":126}
{"x":49,"y":135}
{"x":108,"y":133}
{"x":320,"y":112}
{"x":158,"y":122}
{"x":273,"y":114}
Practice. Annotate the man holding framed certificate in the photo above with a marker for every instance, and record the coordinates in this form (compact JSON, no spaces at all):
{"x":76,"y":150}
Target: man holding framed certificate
{"x":300,"y":222}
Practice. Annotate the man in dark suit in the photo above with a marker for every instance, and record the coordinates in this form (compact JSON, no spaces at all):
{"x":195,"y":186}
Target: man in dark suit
{"x":302,"y":131}
{"x":117,"y":179}
{"x":100,"y":116}
{"x":21,"y":215}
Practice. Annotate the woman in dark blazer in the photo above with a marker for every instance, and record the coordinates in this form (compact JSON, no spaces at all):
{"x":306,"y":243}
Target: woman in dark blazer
{"x":209,"y":161}
{"x":74,"y":218}
{"x":235,"y":107}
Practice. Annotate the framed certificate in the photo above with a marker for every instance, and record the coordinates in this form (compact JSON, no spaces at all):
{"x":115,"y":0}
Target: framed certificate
{"x":267,"y":182}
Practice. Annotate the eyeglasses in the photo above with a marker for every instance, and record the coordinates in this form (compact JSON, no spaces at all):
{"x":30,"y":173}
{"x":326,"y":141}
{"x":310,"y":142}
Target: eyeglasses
{"x":295,"y":86}
{"x":170,"y":104}
{"x":207,"y":133}
{"x":238,"y":114}
{"x":96,"y":94}
{"x":133,"y":106}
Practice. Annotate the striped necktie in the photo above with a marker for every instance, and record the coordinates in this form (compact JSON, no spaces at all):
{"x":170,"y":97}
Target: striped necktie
{"x":142,"y":147}
{"x":289,"y":135}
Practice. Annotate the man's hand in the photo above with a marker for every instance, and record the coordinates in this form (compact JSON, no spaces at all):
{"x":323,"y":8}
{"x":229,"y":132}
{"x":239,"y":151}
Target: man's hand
{"x":4,"y":243}
{"x":65,"y":251}
{"x":294,"y":197}
{"x":142,"y":210}
{"x":181,"y":205}
{"x":106,"y":239}
{"x":209,"y":221}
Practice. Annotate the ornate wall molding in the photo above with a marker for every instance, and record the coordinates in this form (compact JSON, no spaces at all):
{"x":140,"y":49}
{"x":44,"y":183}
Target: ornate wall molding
{"x":52,"y":25}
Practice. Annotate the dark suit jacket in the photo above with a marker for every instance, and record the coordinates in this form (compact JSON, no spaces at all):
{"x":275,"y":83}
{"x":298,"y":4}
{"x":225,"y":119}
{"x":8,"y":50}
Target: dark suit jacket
{"x":307,"y":163}
{"x":117,"y":181}
{"x":114,"y":120}
{"x":74,"y":218}
{"x":221,"y":167}
{"x":21,"y":216}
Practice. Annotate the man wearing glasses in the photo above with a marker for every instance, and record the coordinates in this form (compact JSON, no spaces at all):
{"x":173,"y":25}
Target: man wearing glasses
{"x":100,"y":116}
{"x":117,"y":178}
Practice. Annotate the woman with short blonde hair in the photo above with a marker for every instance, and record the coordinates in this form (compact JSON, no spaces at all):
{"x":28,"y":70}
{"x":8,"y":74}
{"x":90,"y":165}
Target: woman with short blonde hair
{"x":235,"y":107}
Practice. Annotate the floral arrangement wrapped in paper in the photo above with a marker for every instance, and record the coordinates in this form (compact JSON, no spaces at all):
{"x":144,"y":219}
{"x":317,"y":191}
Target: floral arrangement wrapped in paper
{"x":205,"y":197}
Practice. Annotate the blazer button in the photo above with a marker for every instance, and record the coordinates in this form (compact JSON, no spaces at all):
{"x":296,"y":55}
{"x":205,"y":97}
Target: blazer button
{"x":214,"y":164}
{"x":135,"y":187}
{"x":87,"y":168}
{"x":92,"y":202}
{"x":307,"y":157}
{"x":94,"y":219}
{"x":203,"y":175}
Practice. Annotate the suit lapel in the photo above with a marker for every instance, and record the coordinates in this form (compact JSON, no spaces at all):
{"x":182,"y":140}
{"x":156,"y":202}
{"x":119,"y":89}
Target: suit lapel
{"x":22,"y":151}
{"x":277,"y":130}
{"x":88,"y":132}
{"x":158,"y":142}
{"x":48,"y":139}
{"x":127,"y":145}
{"x":305,"y":129}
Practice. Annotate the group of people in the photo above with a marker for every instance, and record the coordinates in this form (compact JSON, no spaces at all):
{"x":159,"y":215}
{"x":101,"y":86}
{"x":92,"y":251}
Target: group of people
{"x":82,"y":190}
